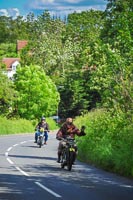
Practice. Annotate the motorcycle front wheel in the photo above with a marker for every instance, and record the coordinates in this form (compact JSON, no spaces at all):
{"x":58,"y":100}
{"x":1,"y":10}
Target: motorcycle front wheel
{"x":70,"y":159}
{"x":40,"y":145}
{"x":40,"y":142}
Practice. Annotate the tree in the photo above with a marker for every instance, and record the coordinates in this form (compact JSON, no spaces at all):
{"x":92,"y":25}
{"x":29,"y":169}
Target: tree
{"x":62,"y":49}
{"x":117,"y":29}
{"x":112,"y":57}
{"x":8,"y":50}
{"x":7,"y":94}
{"x":36,"y":93}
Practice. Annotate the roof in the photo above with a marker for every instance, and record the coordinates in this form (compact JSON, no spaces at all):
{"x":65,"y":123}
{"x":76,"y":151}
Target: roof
{"x":21,"y":44}
{"x":9,"y":61}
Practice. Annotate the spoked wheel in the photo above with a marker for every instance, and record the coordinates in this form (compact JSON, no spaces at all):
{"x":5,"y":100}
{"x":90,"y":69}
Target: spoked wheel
{"x":63,"y":160}
{"x":40,"y":145}
{"x":40,"y":142}
{"x":70,"y":160}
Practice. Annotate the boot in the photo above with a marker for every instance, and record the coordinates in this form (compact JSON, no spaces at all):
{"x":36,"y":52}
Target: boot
{"x":74,"y":159}
{"x":59,"y":157}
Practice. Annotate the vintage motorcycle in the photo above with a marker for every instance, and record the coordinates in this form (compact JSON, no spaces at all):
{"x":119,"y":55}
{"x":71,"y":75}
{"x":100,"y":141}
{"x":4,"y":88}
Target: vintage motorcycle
{"x":40,"y":139}
{"x":68,"y":153}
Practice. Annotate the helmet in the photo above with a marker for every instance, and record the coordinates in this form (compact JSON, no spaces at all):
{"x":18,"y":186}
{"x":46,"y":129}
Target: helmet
{"x":69,"y":120}
{"x":43,"y":118}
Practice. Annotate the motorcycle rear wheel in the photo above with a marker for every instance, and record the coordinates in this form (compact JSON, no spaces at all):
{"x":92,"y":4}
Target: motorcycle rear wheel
{"x":40,"y":142}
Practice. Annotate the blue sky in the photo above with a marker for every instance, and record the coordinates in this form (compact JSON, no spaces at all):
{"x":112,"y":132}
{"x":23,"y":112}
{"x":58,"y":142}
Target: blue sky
{"x":58,"y":7}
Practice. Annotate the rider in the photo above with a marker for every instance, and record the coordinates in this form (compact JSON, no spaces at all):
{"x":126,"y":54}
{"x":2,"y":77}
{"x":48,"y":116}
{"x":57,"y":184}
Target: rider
{"x":45,"y":125}
{"x":68,"y":129}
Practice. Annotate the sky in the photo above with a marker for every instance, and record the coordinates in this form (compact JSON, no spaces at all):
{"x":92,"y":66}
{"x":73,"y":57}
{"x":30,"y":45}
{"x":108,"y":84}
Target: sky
{"x":15,"y":8}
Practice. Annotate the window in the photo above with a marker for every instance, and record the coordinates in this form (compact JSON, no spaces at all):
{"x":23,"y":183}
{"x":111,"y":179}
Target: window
{"x":13,"y":67}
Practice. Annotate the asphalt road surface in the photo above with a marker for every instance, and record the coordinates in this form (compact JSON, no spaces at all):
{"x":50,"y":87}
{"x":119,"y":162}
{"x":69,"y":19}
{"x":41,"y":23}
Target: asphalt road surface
{"x":28,"y":172}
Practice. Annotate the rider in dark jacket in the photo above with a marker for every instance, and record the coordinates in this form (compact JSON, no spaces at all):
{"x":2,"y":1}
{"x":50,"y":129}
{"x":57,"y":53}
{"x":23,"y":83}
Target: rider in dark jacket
{"x":42,"y":124}
{"x":67,"y":129}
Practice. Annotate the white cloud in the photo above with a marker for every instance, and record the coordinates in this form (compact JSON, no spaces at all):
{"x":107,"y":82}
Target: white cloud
{"x":55,"y":7}
{"x":47,"y":1}
{"x":42,"y":2}
{"x":65,"y":10}
{"x":73,"y":1}
{"x":14,"y":12}
{"x":70,"y":9}
{"x":4,"y":12}
{"x":52,"y":5}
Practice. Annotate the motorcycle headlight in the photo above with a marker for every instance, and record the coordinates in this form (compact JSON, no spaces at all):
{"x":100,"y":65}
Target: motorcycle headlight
{"x":64,"y":143}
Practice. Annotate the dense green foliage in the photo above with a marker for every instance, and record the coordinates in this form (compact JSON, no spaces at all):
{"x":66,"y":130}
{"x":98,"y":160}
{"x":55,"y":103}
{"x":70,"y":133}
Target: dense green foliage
{"x":19,"y":126}
{"x":108,"y":143}
{"x":36,"y":93}
{"x":15,"y":126}
{"x":8,"y":50}
{"x":88,"y":59}
{"x":7,"y":93}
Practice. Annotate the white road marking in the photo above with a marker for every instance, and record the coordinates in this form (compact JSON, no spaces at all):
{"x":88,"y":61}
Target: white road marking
{"x":127,"y":186}
{"x":6,"y":154}
{"x":9,"y":149}
{"x":23,"y":142}
{"x":22,"y":171}
{"x":48,"y":190}
{"x":42,"y":186}
{"x":26,"y":174}
{"x":8,"y":159}
{"x":15,"y":145}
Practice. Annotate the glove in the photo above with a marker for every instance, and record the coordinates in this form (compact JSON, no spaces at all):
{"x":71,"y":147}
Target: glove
{"x":82,"y":133}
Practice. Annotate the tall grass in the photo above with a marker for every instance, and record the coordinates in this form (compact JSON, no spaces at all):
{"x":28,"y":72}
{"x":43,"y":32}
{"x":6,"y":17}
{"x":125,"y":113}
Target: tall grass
{"x":108,"y":143}
{"x":13,"y":126}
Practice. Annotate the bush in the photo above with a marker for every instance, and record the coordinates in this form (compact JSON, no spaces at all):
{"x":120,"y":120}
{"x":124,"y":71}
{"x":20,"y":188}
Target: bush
{"x":12,"y":126}
{"x":109,"y":141}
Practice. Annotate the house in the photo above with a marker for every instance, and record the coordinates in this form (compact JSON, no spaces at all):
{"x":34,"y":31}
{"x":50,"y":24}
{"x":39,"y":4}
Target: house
{"x":11,"y":64}
{"x":21,"y":44}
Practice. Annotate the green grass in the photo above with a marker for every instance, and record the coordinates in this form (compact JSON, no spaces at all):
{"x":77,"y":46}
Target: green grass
{"x":13,"y":126}
{"x":108,"y":143}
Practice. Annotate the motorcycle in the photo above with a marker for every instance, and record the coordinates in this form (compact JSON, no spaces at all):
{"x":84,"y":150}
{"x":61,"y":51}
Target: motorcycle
{"x":68,"y":153}
{"x":40,"y":139}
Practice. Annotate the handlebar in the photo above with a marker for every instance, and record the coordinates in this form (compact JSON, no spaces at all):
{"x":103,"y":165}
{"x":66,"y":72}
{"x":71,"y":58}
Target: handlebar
{"x":37,"y":129}
{"x":65,"y":139}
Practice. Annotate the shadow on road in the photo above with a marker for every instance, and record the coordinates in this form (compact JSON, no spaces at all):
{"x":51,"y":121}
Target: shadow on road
{"x":17,"y":187}
{"x":33,"y":157}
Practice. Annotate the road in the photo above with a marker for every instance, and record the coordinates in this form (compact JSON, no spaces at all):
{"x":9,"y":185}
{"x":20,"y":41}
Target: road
{"x":31,"y":173}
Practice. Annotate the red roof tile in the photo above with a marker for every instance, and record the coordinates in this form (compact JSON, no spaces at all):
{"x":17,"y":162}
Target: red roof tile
{"x":9,"y":61}
{"x":21,"y":44}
